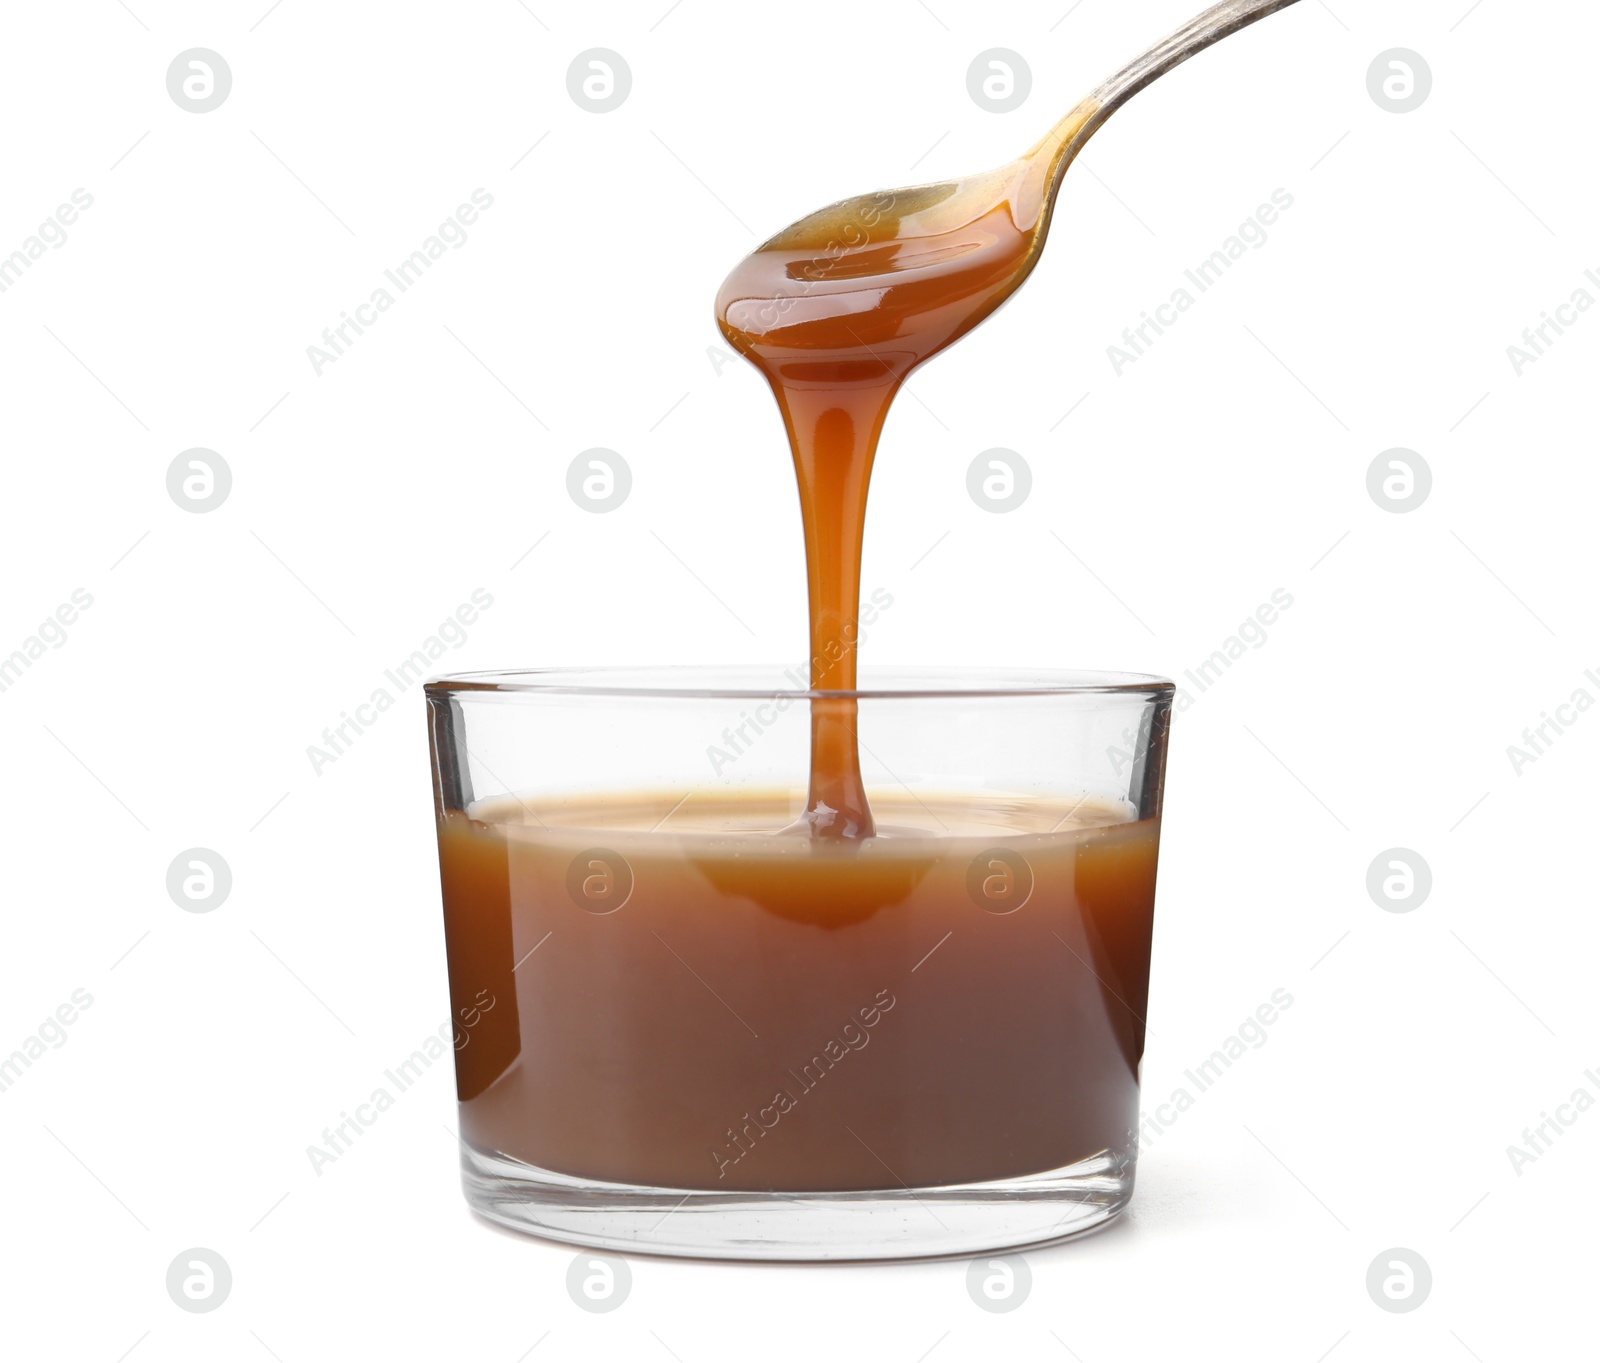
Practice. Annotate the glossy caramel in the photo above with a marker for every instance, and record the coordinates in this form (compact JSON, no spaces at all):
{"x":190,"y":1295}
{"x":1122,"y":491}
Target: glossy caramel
{"x":836,"y":311}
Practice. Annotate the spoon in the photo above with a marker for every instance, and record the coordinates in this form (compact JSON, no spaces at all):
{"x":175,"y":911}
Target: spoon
{"x":899,"y":275}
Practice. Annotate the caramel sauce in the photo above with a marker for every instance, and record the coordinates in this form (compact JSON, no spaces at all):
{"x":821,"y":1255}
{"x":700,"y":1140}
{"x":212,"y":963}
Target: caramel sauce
{"x":836,"y":311}
{"x":753,"y":1010}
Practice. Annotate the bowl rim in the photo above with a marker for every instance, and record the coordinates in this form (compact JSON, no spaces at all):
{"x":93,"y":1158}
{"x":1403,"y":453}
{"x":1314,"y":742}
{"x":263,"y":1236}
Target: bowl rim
{"x":750,"y":682}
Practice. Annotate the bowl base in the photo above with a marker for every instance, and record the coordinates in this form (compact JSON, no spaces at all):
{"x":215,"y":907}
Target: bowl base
{"x":887,"y":1223}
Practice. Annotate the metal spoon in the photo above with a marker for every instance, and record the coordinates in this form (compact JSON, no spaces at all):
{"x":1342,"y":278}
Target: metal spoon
{"x":899,"y":275}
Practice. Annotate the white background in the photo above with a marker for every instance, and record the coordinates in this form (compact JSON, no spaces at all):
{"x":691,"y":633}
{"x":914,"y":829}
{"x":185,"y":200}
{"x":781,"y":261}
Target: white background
{"x":369,"y":501}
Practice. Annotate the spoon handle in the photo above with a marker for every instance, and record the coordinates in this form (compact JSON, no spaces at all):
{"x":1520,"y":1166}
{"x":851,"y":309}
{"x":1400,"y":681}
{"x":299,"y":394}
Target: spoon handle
{"x":1198,"y":34}
{"x":1068,"y":137}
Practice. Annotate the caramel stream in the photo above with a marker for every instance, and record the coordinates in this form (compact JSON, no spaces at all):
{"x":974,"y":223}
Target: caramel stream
{"x":836,"y":311}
